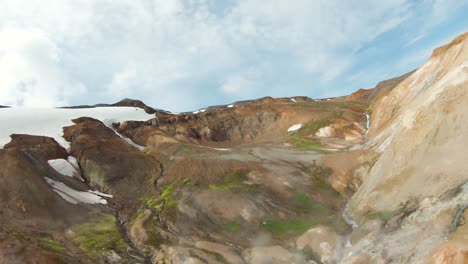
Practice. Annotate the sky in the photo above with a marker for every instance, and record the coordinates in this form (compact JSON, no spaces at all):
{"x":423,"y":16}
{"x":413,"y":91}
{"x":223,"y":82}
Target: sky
{"x":182,"y":55}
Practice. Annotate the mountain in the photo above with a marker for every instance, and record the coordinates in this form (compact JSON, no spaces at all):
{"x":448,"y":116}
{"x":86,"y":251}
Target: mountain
{"x":373,"y":177}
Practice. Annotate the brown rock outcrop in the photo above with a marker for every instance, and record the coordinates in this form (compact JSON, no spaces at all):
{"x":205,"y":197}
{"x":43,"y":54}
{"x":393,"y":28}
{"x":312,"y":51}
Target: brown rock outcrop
{"x":108,"y":162}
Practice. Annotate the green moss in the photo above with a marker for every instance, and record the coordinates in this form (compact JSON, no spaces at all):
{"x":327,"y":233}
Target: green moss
{"x":303,"y":143}
{"x":405,"y":207}
{"x":147,"y":151}
{"x":150,"y":225}
{"x":100,"y":236}
{"x":232,"y":227}
{"x":337,"y":113}
{"x":280,"y":227}
{"x":305,"y":202}
{"x":385,"y":216}
{"x":312,"y":127}
{"x":50,"y":244}
{"x":166,"y":199}
{"x":313,"y":213}
{"x":186,"y":181}
{"x":323,"y":188}
{"x":139,"y":216}
{"x":232,"y":181}
{"x":219,"y":257}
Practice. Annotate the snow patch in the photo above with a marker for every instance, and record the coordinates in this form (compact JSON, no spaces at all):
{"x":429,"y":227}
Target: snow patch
{"x":199,"y":111}
{"x":230,"y":106}
{"x":63,"y":167}
{"x":327,"y":131}
{"x":102,"y":194}
{"x":220,"y":149}
{"x":367,"y":122}
{"x":294,"y":100}
{"x":129,"y":141}
{"x":74,"y":162}
{"x":73,"y":196}
{"x":295,"y":127}
{"x":347,"y":217}
{"x":246,"y":214}
{"x":49,"y":122}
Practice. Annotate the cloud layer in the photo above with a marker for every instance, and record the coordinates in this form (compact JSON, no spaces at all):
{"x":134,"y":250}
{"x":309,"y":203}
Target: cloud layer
{"x":182,"y":54}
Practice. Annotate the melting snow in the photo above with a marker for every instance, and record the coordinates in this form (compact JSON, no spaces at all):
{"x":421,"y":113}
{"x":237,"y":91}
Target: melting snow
{"x":294,"y":100}
{"x":129,"y":141}
{"x":325,"y":132}
{"x":102,"y":194}
{"x":49,"y":122}
{"x":348,"y":219}
{"x":295,"y":127}
{"x":230,"y":106}
{"x":63,"y":167}
{"x":367,"y":122}
{"x":220,"y":149}
{"x":74,"y":196}
{"x":199,"y":111}
{"x":74,"y":162}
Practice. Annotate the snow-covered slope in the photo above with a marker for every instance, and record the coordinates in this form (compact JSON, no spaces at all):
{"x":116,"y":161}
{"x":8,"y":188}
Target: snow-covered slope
{"x":49,"y":122}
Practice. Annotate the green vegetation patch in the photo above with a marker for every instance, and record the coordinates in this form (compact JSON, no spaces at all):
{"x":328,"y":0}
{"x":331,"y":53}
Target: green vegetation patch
{"x":404,"y":208}
{"x":337,"y":113}
{"x":280,"y":227}
{"x":232,"y":227}
{"x":296,"y":227}
{"x":322,"y":187}
{"x":219,"y":257}
{"x":313,"y":127}
{"x":303,"y":143}
{"x":51,"y":244}
{"x":100,"y":236}
{"x":313,"y":213}
{"x":186,"y":181}
{"x":306,"y":203}
{"x":385,"y":216}
{"x":232,"y":181}
{"x":166,"y":199}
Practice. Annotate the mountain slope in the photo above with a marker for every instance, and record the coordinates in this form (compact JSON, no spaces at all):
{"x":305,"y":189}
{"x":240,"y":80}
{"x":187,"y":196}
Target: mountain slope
{"x":420,"y":129}
{"x":377,"y":176}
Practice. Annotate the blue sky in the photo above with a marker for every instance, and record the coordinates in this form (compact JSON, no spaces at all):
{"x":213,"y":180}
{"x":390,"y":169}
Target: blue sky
{"x":182,"y":55}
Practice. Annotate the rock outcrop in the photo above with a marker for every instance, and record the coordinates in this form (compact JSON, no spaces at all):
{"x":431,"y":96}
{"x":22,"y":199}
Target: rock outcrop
{"x":108,"y":162}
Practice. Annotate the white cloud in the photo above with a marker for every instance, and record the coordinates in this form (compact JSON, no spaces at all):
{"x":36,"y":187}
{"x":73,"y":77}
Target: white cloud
{"x":161,"y":50}
{"x":123,"y":80}
{"x":414,"y":40}
{"x":237,"y":85}
{"x":244,"y":83}
{"x":441,"y":9}
{"x":30,"y":72}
